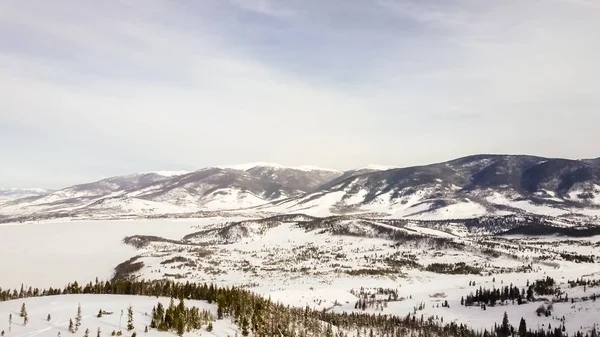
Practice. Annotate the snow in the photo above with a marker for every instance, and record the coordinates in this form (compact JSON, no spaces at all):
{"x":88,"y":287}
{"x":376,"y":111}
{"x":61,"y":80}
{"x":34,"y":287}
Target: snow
{"x":57,"y":252}
{"x":528,"y":206}
{"x":134,"y":206}
{"x":168,"y":173}
{"x":230,"y":198}
{"x":248,"y":166}
{"x":377,"y":167}
{"x":461,"y":210}
{"x":54,"y":253}
{"x":62,"y":308}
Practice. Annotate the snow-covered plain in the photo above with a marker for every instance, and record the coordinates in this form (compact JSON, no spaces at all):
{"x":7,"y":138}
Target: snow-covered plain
{"x":64,"y":307}
{"x":299,"y":266}
{"x":53,"y":253}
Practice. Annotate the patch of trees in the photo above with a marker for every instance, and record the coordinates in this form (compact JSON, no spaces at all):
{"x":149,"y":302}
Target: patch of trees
{"x":175,"y":259}
{"x":262,"y":317}
{"x":490,"y":297}
{"x":453,"y":268}
{"x":127,"y":268}
{"x":542,"y":229}
{"x":371,"y":272}
{"x":142,"y":241}
{"x":179,"y":318}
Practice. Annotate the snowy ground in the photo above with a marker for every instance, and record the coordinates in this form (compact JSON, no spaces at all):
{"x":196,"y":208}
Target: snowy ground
{"x":64,"y":307}
{"x":302,"y":267}
{"x":57,"y":252}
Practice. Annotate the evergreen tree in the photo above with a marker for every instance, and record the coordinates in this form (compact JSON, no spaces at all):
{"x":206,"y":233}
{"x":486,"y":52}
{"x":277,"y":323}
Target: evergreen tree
{"x":9,"y":322}
{"x":98,"y":332}
{"x":49,"y":318}
{"x":209,"y":328}
{"x":100,"y":313}
{"x":504,"y":330}
{"x":130,"y":318}
{"x":25,"y":319}
{"x":522,"y":328}
{"x":86,"y":333}
{"x":2,"y":333}
{"x":245,"y":325}
{"x":23,"y":310}
{"x":146,"y":329}
{"x":180,"y":325}
{"x":78,"y":317}
{"x":71,"y":326}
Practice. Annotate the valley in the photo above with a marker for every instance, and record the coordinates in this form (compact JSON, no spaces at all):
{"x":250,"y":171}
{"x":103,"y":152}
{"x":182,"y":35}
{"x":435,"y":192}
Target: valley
{"x":450,"y":244}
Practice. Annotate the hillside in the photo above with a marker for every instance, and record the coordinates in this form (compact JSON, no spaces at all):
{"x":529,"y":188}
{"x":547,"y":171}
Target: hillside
{"x":467,"y":187}
{"x":462,"y":188}
{"x":64,"y":308}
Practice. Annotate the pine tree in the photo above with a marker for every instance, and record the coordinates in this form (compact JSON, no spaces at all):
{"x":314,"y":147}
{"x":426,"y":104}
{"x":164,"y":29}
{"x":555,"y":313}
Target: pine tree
{"x":504,"y":330}
{"x":98,"y":332}
{"x":86,"y":333}
{"x":23,"y":310}
{"x":78,"y":317}
{"x":180,"y":325}
{"x":522,"y":328}
{"x":9,"y":322}
{"x":71,"y":326}
{"x":25,"y":319}
{"x":209,"y":328}
{"x":100,"y":314}
{"x":245,"y":325}
{"x":146,"y":330}
{"x":49,"y":318}
{"x":130,"y":318}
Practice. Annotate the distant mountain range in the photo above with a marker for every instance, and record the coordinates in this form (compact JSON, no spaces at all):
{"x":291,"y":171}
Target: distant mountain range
{"x":7,"y":194}
{"x":467,"y":187}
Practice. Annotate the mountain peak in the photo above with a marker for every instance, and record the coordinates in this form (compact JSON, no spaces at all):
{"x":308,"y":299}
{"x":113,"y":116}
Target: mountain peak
{"x":248,"y":166}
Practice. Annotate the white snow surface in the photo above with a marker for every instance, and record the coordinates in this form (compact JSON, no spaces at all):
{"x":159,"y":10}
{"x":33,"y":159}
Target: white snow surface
{"x":54,"y":253}
{"x":248,"y":166}
{"x":168,"y":173}
{"x":62,"y":308}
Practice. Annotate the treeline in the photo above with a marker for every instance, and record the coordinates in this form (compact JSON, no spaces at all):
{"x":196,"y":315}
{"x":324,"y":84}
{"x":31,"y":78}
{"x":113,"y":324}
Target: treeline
{"x":264,"y":318}
{"x":453,"y":268}
{"x":491,"y":297}
{"x":179,"y":319}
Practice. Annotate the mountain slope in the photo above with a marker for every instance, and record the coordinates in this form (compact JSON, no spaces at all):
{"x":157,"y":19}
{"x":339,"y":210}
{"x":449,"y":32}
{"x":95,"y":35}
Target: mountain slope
{"x":154,"y":193}
{"x":465,"y":187}
{"x":7,"y":194}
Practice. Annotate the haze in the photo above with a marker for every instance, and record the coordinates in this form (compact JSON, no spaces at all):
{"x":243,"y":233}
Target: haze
{"x":91,"y":89}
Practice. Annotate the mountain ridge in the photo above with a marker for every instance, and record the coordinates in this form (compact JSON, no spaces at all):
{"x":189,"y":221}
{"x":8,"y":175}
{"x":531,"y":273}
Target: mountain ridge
{"x":468,"y":187}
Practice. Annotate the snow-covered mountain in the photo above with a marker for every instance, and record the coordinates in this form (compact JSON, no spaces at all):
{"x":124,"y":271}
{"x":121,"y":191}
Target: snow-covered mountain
{"x":209,"y":189}
{"x":7,"y":194}
{"x":463,"y":188}
{"x":467,"y":187}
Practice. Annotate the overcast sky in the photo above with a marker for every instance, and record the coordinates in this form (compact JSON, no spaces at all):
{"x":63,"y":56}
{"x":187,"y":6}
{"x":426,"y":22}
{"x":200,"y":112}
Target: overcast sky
{"x":90,"y":89}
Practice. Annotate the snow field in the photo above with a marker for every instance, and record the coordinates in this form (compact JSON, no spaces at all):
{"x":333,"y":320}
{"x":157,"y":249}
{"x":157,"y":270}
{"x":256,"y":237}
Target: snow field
{"x":64,"y":307}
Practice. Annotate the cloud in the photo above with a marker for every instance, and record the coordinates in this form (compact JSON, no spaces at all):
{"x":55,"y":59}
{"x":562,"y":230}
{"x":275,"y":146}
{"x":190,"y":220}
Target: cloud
{"x":99,"y":89}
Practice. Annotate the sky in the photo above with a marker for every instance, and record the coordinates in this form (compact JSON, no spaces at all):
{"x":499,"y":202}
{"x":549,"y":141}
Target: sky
{"x":91,"y":89}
